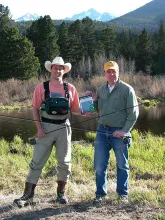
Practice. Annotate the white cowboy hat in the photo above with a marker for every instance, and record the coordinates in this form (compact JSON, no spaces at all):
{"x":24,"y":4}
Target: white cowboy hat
{"x":58,"y":61}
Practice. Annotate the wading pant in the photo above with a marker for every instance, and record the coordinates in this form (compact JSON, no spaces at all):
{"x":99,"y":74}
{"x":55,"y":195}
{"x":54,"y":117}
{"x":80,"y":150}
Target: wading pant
{"x":60,"y":137}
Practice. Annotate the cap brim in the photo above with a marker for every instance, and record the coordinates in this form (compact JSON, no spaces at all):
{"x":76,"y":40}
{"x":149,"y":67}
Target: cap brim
{"x":111,"y":68}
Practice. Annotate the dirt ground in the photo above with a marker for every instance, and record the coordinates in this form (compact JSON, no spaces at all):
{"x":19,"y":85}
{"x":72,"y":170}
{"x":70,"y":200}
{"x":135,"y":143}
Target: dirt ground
{"x":86,"y":210}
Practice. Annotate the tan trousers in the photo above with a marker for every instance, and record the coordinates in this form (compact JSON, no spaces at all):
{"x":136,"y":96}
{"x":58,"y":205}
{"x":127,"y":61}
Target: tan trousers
{"x":61,"y":138}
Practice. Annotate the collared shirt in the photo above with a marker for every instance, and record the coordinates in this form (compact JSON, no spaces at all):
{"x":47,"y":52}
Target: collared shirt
{"x":110,"y":87}
{"x":118,"y":108}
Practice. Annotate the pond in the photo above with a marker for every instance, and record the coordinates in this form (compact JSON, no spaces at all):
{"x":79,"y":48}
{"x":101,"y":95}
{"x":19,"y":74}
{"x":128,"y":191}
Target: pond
{"x":21,"y":123}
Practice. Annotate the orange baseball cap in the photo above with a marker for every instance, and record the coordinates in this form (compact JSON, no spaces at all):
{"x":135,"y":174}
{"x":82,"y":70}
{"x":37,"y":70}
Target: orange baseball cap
{"x":111,"y":65}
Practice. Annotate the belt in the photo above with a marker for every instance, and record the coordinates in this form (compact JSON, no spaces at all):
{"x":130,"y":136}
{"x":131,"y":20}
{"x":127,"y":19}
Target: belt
{"x":53,"y":121}
{"x":105,"y":126}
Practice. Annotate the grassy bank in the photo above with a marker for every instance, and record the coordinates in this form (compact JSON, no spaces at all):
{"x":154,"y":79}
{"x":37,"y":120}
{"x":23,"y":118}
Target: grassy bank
{"x":147,"y":165}
{"x":15,"y":93}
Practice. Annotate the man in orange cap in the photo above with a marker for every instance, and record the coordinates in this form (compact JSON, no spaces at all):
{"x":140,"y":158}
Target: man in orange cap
{"x":117,"y":106}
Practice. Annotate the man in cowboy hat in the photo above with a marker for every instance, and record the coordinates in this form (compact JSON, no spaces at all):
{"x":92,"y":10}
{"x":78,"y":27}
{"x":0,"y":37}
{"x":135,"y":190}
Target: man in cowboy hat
{"x":53,"y":126}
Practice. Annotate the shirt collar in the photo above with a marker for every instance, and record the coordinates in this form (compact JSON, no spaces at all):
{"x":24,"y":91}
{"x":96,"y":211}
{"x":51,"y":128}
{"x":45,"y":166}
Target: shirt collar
{"x":116,"y":84}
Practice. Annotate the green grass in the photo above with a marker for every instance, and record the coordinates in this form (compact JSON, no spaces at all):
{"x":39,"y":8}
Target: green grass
{"x":159,"y":217}
{"x":14,"y":107}
{"x":150,"y":102}
{"x":146,"y":159}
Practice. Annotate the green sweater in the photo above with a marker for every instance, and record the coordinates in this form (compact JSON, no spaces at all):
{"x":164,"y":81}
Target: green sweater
{"x":118,"y":108}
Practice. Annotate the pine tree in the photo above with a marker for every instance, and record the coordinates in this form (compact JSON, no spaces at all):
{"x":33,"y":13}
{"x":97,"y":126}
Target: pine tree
{"x":63,"y":41}
{"x":17,"y":58}
{"x":159,"y":67}
{"x":127,"y":46}
{"x":88,"y":38}
{"x":107,"y":39}
{"x":75,"y":50}
{"x":144,"y":52}
{"x":44,"y":37}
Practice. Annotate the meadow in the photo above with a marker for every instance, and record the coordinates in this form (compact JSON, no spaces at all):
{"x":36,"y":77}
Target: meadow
{"x":146,"y":156}
{"x":147,"y":165}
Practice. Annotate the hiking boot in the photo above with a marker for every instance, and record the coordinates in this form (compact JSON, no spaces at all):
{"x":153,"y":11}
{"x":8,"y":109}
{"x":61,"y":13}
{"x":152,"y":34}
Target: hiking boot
{"x":123,"y":199}
{"x":61,"y":188}
{"x":27,"y":198}
{"x":98,"y":200}
{"x":61,"y":198}
{"x":23,"y":201}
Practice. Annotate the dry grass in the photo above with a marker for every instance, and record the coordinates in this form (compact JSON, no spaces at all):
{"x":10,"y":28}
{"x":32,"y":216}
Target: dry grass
{"x":80,"y":206}
{"x":20,"y":92}
{"x":146,"y":87}
{"x":79,"y":84}
{"x":15,"y":91}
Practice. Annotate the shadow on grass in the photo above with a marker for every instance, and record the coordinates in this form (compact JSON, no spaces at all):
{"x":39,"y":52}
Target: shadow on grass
{"x":54,"y":210}
{"x":4,"y":209}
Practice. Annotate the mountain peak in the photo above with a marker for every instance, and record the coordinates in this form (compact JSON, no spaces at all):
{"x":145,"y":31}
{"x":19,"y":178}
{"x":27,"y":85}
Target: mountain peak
{"x":92,"y":14}
{"x":28,"y":17}
{"x":91,"y":9}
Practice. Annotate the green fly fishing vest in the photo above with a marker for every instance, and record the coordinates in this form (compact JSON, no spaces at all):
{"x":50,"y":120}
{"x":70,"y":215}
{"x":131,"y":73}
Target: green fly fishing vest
{"x":56,"y":105}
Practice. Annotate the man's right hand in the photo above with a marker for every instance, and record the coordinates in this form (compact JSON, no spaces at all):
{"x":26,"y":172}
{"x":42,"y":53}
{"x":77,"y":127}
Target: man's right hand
{"x":90,"y":93}
{"x":41,"y":133}
{"x":88,"y":114}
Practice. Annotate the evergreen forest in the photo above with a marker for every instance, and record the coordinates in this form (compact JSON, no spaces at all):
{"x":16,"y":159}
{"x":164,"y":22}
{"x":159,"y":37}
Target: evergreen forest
{"x":86,"y":44}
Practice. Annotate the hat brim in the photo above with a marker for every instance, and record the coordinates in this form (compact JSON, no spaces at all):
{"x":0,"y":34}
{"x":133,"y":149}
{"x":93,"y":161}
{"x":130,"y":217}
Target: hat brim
{"x":67,"y":66}
{"x":111,"y":68}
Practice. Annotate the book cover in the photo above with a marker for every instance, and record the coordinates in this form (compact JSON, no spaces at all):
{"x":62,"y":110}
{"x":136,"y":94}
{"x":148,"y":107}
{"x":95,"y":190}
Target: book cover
{"x":86,"y":104}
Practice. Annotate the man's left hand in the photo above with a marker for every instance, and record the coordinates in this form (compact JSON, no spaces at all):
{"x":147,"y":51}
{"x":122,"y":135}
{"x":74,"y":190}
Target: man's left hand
{"x":119,"y":133}
{"x":88,"y":114}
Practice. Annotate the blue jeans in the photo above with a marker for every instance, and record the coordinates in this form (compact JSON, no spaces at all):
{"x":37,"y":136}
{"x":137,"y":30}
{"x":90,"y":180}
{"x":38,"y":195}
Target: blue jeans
{"x":104,"y":143}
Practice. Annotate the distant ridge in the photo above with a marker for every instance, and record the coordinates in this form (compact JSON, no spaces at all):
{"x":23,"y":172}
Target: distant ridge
{"x":147,"y":16}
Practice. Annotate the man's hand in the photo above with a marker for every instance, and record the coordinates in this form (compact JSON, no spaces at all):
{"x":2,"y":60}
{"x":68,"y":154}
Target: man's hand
{"x":41,"y":133}
{"x":88,"y":114}
{"x":90,"y":93}
{"x":119,"y":134}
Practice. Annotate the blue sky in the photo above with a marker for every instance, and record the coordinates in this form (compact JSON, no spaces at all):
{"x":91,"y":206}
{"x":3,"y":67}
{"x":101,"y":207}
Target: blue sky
{"x":67,"y":8}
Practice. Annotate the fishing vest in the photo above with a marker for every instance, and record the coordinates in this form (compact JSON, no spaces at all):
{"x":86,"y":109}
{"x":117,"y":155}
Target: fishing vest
{"x":55,"y":108}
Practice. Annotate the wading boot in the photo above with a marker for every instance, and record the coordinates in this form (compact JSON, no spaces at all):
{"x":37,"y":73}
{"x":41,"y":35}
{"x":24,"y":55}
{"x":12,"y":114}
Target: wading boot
{"x":27,"y":198}
{"x":61,"y":188}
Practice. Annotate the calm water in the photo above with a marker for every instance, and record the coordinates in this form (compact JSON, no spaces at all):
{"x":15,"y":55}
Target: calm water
{"x":152,"y":120}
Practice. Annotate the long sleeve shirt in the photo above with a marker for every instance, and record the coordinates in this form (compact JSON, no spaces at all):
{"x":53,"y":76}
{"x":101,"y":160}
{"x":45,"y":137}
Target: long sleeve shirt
{"x":118,"y":108}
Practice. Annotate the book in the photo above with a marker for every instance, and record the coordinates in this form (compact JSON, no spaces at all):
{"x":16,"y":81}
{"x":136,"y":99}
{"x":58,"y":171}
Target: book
{"x":86,"y":104}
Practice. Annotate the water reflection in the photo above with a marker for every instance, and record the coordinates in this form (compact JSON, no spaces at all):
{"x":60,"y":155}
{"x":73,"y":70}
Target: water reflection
{"x":9,"y":127}
{"x":152,"y":119}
